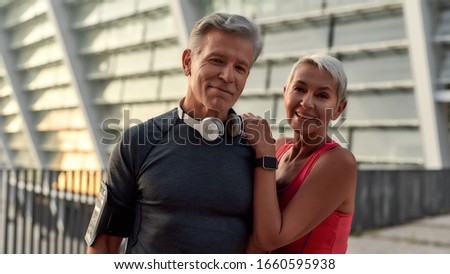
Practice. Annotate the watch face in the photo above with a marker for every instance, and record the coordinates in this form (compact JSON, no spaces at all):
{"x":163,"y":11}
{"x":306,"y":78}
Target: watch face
{"x":270,"y":162}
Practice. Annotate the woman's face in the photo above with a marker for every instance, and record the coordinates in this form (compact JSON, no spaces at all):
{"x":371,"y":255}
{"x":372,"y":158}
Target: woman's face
{"x":311,"y":101}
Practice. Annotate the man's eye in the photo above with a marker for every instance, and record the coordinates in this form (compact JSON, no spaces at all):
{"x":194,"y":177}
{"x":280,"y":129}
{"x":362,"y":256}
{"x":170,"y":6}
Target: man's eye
{"x":241,"y":69}
{"x":216,"y":61}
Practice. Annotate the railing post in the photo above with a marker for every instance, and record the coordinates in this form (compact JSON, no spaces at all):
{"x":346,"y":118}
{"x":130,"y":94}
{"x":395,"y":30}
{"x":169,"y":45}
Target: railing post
{"x":4,"y":186}
{"x":29,"y":218}
{"x":12,"y":212}
{"x":60,"y":223}
{"x":53,"y":211}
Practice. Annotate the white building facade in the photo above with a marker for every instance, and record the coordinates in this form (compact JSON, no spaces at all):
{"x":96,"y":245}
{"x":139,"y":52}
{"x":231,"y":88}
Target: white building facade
{"x":74,"y":73}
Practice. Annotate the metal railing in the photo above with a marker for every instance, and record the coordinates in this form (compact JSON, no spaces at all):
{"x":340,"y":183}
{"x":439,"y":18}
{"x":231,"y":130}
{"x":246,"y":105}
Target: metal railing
{"x":45,"y":211}
{"x":48,"y":211}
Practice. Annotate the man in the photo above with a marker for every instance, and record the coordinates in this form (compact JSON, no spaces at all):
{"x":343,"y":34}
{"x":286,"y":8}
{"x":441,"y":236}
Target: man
{"x":182,"y":182}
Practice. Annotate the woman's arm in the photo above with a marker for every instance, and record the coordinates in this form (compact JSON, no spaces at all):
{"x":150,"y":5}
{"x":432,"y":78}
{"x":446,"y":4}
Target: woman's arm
{"x":328,"y":187}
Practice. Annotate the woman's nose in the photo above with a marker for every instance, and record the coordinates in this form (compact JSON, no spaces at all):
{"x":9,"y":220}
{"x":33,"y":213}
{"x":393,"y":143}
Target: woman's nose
{"x":307,"y":101}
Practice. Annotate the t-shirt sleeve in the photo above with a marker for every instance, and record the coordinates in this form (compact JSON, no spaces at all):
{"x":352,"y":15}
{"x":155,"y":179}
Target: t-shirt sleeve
{"x":120,"y":177}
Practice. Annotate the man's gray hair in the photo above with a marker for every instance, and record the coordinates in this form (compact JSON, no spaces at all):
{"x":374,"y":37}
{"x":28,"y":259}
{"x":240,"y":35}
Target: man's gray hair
{"x":329,"y":64}
{"x":230,"y":23}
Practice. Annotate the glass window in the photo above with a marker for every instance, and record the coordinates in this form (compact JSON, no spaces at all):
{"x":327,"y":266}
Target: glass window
{"x":144,"y":5}
{"x":103,"y":63}
{"x":281,"y":111}
{"x":126,"y":33}
{"x":161,"y":26}
{"x":296,"y":39}
{"x":53,"y":98}
{"x":133,"y":62}
{"x":5,"y":88}
{"x":377,"y":68}
{"x":112,"y":9}
{"x":35,"y":79}
{"x":167,"y":57}
{"x":22,"y":158}
{"x":143,"y":112}
{"x":392,"y":144}
{"x":111,"y":92}
{"x":331,"y":4}
{"x":279,"y":73}
{"x":132,"y":114}
{"x":8,"y":106}
{"x":140,"y":89}
{"x":12,"y":124}
{"x":32,"y":57}
{"x":443,"y":27}
{"x":24,"y":10}
{"x":258,"y":106}
{"x":62,"y":75}
{"x":444,"y":73}
{"x":382,"y":106}
{"x":62,"y":119}
{"x":270,"y":8}
{"x":94,"y":39}
{"x":257,"y":77}
{"x":173,"y":86}
{"x":75,"y":161}
{"x":368,"y":29}
{"x":17,"y":141}
{"x":87,"y":13}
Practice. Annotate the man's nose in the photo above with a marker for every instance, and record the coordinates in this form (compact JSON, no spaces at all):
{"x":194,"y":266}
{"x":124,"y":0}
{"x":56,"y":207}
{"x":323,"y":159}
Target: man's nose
{"x":227,"y":74}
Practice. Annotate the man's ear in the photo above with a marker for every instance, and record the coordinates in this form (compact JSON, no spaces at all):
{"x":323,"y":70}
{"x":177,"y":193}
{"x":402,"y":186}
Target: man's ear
{"x":339,"y":109}
{"x":186,"y":60}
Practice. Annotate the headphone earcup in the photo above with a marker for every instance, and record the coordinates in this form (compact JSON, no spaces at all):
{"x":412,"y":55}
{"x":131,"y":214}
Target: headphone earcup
{"x":210,"y":128}
{"x":234,"y":125}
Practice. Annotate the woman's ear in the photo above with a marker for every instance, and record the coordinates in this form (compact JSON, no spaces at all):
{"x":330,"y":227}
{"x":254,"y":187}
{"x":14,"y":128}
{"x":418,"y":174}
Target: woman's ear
{"x":339,"y":109}
{"x":186,"y":60}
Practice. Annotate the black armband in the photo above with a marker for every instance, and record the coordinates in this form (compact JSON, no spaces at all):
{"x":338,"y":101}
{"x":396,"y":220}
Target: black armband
{"x":108,"y":220}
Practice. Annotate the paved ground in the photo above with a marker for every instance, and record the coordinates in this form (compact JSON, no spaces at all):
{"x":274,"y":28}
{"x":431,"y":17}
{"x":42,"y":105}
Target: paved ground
{"x":430,"y":235}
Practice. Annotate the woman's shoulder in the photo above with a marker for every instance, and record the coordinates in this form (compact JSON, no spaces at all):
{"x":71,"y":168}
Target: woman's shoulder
{"x":340,"y":156}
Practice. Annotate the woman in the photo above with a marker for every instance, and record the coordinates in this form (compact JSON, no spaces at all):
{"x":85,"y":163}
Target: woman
{"x":307,"y":205}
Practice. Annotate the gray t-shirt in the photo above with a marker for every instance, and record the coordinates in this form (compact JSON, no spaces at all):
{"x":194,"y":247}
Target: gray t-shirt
{"x":188,"y":195}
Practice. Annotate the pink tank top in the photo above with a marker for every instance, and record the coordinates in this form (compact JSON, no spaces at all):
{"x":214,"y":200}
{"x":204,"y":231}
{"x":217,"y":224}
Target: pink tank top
{"x":331,"y":235}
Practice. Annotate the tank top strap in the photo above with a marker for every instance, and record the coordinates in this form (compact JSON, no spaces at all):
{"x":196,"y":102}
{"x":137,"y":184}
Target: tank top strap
{"x":315,"y":156}
{"x":285,"y":147}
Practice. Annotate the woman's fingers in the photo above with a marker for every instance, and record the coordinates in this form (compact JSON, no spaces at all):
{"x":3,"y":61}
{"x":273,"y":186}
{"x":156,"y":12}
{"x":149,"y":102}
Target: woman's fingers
{"x":257,"y":129}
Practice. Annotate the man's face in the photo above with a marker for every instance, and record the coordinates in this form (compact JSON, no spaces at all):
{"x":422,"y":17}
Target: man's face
{"x":217,"y":73}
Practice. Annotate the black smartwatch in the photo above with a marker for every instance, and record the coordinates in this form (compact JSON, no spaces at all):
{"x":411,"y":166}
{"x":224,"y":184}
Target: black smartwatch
{"x":267,"y":162}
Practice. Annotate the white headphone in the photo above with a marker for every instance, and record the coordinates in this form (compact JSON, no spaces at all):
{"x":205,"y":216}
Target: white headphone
{"x":210,"y":128}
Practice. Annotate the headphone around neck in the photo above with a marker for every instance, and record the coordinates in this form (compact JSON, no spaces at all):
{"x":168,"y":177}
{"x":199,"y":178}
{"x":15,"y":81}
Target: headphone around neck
{"x":211,"y":128}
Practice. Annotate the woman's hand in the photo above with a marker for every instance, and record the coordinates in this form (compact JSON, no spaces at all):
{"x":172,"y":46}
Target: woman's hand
{"x":258,"y":135}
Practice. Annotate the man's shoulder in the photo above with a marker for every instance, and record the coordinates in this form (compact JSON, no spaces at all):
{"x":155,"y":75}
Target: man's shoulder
{"x":153,"y":127}
{"x":165,"y":119}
